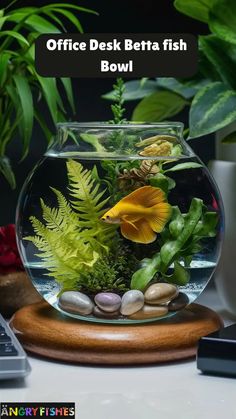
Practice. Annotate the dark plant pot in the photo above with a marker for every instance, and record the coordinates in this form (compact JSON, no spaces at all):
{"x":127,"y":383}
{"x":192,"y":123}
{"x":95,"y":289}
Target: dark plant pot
{"x":16,"y":291}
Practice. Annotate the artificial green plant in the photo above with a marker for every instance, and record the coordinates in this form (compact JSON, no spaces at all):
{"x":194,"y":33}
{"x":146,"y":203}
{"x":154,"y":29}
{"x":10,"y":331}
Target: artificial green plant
{"x":21,"y":88}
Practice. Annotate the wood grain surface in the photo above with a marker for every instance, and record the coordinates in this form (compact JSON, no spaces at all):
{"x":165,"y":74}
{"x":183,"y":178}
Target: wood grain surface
{"x":45,"y":332}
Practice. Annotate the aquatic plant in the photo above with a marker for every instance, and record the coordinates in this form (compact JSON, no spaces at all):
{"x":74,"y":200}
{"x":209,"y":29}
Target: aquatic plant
{"x":117,"y":108}
{"x":72,"y":238}
{"x":181,"y":239}
{"x":111,"y":273}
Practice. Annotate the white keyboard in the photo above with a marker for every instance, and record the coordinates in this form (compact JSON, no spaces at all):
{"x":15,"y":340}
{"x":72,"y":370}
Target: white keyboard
{"x":13,"y":359}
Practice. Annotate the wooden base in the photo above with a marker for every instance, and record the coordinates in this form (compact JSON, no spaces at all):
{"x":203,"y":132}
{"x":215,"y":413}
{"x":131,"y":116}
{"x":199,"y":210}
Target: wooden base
{"x":44,"y":331}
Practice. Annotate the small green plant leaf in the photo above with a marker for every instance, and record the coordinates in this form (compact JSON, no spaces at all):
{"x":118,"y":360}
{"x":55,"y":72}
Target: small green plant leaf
{"x":6,"y":170}
{"x":172,"y":247}
{"x":2,"y":21}
{"x":163,"y":182}
{"x":69,"y":6}
{"x":27,"y":106}
{"x":212,"y":108}
{"x":207,"y":226}
{"x":143,"y":276}
{"x":48,"y":134}
{"x":196,"y":9}
{"x":4,"y":63}
{"x":70,"y":16}
{"x":158,"y":106}
{"x":160,"y":181}
{"x":230,"y":138}
{"x":93,"y":140}
{"x":184,"y":166}
{"x":222,"y":20}
{"x":134,"y":90}
{"x":15,"y":35}
{"x":33,"y":22}
{"x":180,"y":275}
{"x":177,"y":224}
{"x":69,"y":92}
{"x":50,"y":93}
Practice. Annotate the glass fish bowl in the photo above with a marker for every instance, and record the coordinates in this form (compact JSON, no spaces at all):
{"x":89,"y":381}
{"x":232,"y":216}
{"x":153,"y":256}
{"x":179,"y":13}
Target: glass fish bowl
{"x":120,"y":223}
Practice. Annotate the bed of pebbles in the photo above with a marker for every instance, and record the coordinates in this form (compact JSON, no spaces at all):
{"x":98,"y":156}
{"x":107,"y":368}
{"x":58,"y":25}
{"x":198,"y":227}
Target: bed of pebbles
{"x":157,"y":300}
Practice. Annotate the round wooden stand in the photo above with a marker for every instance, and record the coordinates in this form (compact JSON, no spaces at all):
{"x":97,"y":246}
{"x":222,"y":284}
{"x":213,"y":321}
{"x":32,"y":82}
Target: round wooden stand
{"x":44,"y":331}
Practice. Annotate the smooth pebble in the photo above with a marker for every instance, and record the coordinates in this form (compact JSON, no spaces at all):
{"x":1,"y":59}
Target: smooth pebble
{"x":149,"y":312}
{"x":179,"y":302}
{"x":76,"y":302}
{"x":160,"y":293}
{"x":108,"y":301}
{"x":132,"y":301}
{"x":97,"y":312}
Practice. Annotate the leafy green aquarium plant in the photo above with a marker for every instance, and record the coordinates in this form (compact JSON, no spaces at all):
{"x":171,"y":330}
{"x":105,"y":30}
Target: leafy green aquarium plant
{"x":127,"y":225}
{"x":21,"y":89}
{"x":211,"y":94}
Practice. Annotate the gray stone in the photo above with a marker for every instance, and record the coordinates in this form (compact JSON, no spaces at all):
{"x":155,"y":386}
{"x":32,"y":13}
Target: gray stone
{"x":160,"y":293}
{"x":76,"y":302}
{"x":108,"y":301}
{"x":132,"y":301}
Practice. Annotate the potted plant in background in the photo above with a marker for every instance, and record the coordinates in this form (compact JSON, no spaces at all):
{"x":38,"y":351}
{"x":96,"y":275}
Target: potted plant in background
{"x":21,"y":92}
{"x":211,"y":99}
{"x":21,"y":88}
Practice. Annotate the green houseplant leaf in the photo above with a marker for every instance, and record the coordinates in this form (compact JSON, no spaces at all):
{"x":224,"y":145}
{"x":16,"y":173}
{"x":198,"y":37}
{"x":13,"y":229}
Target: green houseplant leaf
{"x":222,"y":20}
{"x":21,"y":88}
{"x":212,"y":108}
{"x":26,"y":101}
{"x":135,"y":90}
{"x":187,"y":89}
{"x":158,"y":106}
{"x":15,"y":35}
{"x":6,"y":170}
{"x":197,"y":9}
{"x":222,"y":56}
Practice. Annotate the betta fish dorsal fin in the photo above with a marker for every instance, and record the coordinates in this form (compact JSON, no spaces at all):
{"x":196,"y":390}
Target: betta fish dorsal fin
{"x":147,"y":196}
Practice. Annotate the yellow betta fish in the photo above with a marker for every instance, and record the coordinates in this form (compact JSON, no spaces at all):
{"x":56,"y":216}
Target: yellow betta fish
{"x":141,"y":214}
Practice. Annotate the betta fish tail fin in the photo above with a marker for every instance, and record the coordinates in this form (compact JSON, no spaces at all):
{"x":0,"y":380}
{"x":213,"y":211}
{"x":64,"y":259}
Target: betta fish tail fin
{"x":159,"y":217}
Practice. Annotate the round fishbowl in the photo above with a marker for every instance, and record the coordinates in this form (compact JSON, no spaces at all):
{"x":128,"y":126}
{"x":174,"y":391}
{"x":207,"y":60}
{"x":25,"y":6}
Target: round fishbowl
{"x":119,"y":223}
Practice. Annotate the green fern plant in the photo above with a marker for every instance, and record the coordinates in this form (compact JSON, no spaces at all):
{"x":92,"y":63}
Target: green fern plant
{"x":88,"y":203}
{"x":72,"y":238}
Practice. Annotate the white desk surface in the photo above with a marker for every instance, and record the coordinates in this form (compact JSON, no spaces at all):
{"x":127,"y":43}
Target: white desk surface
{"x":156,"y":392}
